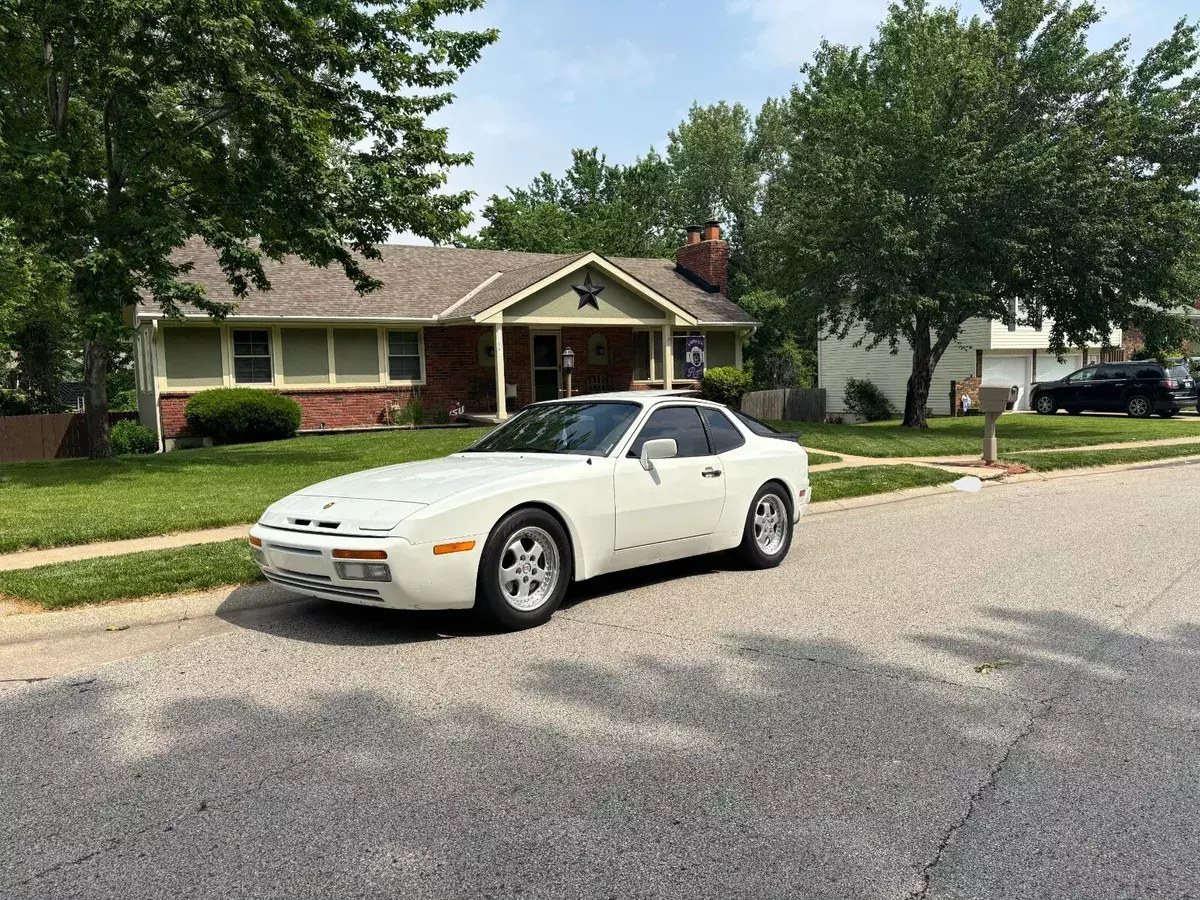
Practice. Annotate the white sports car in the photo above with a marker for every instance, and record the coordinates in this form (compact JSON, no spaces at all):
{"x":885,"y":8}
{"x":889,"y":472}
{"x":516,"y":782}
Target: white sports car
{"x":564,"y":490}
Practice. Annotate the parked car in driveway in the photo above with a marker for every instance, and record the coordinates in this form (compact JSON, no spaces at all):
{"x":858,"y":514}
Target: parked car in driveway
{"x":564,"y":491}
{"x":1139,"y":388}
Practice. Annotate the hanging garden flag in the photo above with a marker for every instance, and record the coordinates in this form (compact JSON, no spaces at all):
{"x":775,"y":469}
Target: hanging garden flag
{"x":693,"y":358}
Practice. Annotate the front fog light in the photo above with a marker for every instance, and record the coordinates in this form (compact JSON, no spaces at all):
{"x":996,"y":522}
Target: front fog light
{"x":348,"y":571}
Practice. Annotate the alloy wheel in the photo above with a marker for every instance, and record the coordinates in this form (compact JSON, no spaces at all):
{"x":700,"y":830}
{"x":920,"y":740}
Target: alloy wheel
{"x":529,"y":569}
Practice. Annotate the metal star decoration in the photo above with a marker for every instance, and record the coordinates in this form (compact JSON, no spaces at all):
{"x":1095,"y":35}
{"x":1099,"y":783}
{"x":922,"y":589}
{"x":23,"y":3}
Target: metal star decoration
{"x":588,"y":292}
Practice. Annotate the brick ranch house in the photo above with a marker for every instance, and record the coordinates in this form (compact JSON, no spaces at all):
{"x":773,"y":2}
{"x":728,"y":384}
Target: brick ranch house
{"x":480,"y":329}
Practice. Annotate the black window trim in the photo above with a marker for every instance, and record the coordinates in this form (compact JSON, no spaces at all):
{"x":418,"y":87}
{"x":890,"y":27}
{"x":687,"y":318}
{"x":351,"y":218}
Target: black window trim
{"x":629,"y":454}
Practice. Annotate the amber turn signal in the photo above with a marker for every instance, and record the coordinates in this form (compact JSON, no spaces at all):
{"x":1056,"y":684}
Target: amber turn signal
{"x":802,"y":491}
{"x":255,"y":541}
{"x":360,"y":554}
{"x":456,"y":547}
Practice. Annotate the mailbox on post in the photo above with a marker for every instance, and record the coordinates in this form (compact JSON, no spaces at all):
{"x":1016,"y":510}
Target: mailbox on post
{"x":994,"y":399}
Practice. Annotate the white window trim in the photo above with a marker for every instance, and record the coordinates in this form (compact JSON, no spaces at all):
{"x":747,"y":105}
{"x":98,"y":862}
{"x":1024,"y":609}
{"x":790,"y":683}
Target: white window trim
{"x":386,"y":354}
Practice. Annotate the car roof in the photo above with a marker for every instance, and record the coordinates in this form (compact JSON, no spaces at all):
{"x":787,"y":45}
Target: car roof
{"x":644,"y":398}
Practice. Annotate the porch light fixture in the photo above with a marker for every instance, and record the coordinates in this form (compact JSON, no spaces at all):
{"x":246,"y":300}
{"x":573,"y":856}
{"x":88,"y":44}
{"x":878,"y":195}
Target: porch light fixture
{"x":568,"y":359}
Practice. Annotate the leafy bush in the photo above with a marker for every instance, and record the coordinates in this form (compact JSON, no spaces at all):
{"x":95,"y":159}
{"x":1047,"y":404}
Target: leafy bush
{"x":123,"y":401}
{"x":13,"y":403}
{"x":725,"y":384}
{"x":128,"y":437}
{"x":242,"y":415}
{"x":866,"y":399}
{"x":442,"y":416}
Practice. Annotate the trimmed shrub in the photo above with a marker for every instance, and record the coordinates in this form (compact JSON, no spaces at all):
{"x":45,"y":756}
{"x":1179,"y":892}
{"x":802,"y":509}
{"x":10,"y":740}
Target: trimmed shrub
{"x":866,"y":399}
{"x":725,"y":384}
{"x":130,"y":437}
{"x":411,"y":413}
{"x":242,"y":415}
{"x":13,"y":403}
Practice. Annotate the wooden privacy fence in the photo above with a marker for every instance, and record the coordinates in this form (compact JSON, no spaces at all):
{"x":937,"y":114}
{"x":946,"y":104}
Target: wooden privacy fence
{"x":792,"y":404}
{"x":48,"y":436}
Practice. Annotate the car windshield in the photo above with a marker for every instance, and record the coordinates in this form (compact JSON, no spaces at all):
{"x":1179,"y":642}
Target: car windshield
{"x":591,"y":429}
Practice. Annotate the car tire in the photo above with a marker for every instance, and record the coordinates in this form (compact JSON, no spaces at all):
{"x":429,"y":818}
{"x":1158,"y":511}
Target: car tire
{"x":1167,"y":413}
{"x":525,"y":569}
{"x":1074,"y":412}
{"x":1045,"y":405}
{"x":767,"y":535}
{"x":1139,"y":407}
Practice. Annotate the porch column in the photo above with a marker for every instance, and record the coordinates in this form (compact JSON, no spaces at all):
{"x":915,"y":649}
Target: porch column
{"x":668,"y":360}
{"x":498,"y":350}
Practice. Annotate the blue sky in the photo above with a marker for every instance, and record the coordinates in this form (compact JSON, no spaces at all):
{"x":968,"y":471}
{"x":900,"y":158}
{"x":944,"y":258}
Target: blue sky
{"x":620,"y":73}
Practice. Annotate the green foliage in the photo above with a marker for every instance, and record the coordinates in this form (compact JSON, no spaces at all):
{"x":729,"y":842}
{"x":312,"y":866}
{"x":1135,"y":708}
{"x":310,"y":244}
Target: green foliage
{"x":242,"y":415}
{"x":725,"y":384}
{"x":771,"y":353}
{"x":442,"y":416}
{"x":122,"y":401}
{"x":129,"y":438}
{"x":956,"y":166}
{"x":864,"y":397}
{"x":411,"y":412}
{"x":265,"y":129}
{"x":14,"y":403}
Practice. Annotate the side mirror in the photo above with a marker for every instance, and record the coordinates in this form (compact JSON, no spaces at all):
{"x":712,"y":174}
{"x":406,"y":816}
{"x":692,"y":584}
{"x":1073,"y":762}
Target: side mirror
{"x":659,"y":448}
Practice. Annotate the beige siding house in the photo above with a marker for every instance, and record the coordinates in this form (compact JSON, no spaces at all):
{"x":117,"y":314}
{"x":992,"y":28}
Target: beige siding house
{"x":988,"y":349}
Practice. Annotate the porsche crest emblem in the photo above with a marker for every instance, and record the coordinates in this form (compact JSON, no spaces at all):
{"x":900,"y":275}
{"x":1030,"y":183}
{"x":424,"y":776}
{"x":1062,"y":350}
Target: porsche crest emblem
{"x":327,"y":505}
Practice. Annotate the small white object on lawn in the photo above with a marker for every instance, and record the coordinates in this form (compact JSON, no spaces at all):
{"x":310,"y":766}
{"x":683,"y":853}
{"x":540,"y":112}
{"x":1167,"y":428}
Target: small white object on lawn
{"x":969,"y":483}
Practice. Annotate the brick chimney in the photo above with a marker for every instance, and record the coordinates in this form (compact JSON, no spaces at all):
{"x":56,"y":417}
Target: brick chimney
{"x":705,"y":257}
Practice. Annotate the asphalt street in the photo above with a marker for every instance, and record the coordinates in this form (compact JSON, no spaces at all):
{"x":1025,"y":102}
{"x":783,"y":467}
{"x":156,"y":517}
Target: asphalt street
{"x":993,"y":695}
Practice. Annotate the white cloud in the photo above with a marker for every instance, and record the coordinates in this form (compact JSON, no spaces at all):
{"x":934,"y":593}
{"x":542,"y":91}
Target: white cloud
{"x":571,"y":73}
{"x":788,"y":31}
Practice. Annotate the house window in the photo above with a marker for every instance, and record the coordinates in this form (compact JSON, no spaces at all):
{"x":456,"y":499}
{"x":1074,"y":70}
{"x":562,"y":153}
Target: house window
{"x":252,"y":356}
{"x":404,"y":356}
{"x":648,"y":355}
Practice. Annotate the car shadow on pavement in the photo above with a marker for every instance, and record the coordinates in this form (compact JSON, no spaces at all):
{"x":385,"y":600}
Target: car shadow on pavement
{"x":348,"y":624}
{"x":566,"y":763}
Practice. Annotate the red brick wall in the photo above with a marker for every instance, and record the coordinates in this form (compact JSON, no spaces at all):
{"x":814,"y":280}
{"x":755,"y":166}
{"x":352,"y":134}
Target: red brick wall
{"x":707,"y":259}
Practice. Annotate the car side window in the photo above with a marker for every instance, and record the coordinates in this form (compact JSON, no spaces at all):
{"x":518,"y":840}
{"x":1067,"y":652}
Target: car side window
{"x":1082,"y":375}
{"x":725,"y":435}
{"x":1111,"y":373}
{"x":1148,"y":372}
{"x":679,"y":422}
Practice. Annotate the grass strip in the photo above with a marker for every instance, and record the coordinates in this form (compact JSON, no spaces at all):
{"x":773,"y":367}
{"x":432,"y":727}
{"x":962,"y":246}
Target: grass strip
{"x":838,"y":484}
{"x":132,"y":575}
{"x":1082,"y":459}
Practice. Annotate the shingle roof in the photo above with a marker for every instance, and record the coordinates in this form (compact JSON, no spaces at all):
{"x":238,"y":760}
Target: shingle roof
{"x":427,"y":283}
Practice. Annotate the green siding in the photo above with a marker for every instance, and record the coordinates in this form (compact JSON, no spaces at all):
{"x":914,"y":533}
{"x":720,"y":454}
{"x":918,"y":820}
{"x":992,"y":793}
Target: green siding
{"x":305,"y":356}
{"x":718,"y":349}
{"x":560,"y":301}
{"x":356,"y":354}
{"x":193,"y":357}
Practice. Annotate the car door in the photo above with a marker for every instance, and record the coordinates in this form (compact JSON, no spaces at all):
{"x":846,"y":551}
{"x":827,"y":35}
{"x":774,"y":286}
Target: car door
{"x":678,"y":498}
{"x":1079,"y":389}
{"x":1109,"y":386}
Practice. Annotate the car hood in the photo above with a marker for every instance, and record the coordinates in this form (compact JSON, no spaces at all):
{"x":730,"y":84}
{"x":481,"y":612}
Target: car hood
{"x":435,"y":479}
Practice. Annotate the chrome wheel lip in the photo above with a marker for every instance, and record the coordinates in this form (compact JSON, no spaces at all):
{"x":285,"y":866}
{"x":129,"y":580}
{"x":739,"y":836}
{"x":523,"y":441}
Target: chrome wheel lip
{"x":770,"y":524}
{"x":529,"y":569}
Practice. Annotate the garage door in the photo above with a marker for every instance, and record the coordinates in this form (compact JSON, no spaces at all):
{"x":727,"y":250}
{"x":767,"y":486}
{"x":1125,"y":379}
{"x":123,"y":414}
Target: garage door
{"x":1009,"y":370}
{"x":1050,"y":369}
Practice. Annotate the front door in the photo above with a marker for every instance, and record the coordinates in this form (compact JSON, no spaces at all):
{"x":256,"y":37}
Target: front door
{"x":545,"y":366}
{"x":1109,"y":386}
{"x":680,"y":497}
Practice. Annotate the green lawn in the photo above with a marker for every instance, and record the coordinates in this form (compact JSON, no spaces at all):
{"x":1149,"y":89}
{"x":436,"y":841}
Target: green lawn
{"x":819,"y":459}
{"x":132,"y":575}
{"x":947,"y":437}
{"x":1081,"y":459}
{"x":838,"y":484}
{"x":77,"y":501}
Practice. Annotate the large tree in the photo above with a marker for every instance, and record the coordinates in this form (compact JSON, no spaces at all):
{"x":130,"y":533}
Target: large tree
{"x":127,"y":126}
{"x":962,"y":168}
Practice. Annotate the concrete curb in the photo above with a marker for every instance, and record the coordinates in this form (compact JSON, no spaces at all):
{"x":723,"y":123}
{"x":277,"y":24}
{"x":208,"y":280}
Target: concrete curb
{"x":22,"y":627}
{"x":28,"y":559}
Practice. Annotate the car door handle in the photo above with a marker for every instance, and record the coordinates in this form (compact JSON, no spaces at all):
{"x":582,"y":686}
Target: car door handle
{"x":710,"y":472}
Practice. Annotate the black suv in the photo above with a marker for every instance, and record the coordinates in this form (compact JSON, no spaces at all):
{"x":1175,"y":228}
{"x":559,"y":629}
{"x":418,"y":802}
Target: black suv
{"x":1138,"y":388}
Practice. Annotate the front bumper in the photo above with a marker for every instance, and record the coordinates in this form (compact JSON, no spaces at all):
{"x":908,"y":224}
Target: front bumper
{"x":303,"y":563}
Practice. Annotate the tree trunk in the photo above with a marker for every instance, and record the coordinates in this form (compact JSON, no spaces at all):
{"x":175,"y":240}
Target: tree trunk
{"x":95,"y":383}
{"x":916,"y":398}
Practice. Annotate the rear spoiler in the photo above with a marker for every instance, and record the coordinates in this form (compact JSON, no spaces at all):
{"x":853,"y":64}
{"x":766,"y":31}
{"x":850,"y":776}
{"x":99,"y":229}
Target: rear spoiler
{"x":793,"y":436}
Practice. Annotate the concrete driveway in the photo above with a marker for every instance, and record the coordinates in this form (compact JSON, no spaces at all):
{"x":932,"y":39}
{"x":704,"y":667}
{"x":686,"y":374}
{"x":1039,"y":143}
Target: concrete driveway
{"x":966,"y":696}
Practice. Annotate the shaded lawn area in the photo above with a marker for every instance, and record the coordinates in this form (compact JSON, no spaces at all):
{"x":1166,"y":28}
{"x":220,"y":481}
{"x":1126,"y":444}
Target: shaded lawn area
{"x":1082,"y":459}
{"x":838,"y":484}
{"x":962,"y":436}
{"x":205,"y":566}
{"x":78,"y":501}
{"x":133,"y":575}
